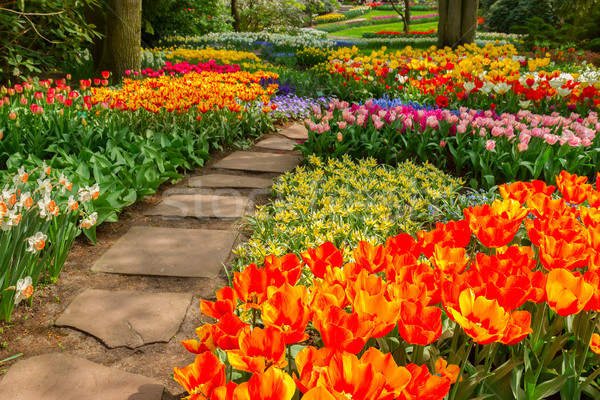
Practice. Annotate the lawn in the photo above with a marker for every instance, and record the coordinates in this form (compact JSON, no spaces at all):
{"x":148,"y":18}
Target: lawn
{"x":397,"y":26}
{"x":379,"y":13}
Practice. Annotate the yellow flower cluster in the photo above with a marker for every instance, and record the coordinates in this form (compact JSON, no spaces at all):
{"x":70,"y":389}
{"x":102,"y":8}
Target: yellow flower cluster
{"x":224,"y":56}
{"x":331,"y":17}
{"x":492,"y":61}
{"x":204,"y":90}
{"x":344,"y":202}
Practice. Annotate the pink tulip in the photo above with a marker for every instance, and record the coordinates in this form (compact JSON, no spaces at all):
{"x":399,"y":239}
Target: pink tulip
{"x":490,"y":145}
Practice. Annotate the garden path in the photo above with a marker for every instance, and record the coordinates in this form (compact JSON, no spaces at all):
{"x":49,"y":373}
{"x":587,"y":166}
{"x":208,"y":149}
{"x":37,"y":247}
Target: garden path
{"x":122,"y":317}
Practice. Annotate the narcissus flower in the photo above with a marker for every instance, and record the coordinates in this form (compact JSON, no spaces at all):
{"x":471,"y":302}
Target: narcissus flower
{"x":202,"y":377}
{"x":567,"y":294}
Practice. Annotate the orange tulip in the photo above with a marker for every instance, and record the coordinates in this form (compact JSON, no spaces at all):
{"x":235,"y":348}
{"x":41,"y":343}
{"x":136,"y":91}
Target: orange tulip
{"x":593,"y":197}
{"x":545,"y":207}
{"x":424,"y":386}
{"x":590,"y":216}
{"x":593,"y":278}
{"x":562,"y":226}
{"x":286,"y":310}
{"x":226,"y":303}
{"x":448,"y":371}
{"x":202,"y":377}
{"x":402,"y":244}
{"x":251,"y":285}
{"x":595,"y":343}
{"x":416,"y":274}
{"x":259,"y":350}
{"x":566,"y":293}
{"x":365,"y":281}
{"x":341,"y":331}
{"x":522,"y":191}
{"x":449,"y":260}
{"x":310,"y":362}
{"x":287,"y":268}
{"x":369,"y":257}
{"x":568,"y":253}
{"x":482,"y":319}
{"x":274,"y":384}
{"x":416,"y":292}
{"x":396,"y":378}
{"x":324,"y":295}
{"x":452,"y":234}
{"x":496,"y":225}
{"x":224,"y":392}
{"x":206,"y":343}
{"x":573,"y":188}
{"x":347,"y":376}
{"x":418,"y":324}
{"x":326,"y":255}
{"x":517,"y":328}
{"x":381,"y":311}
{"x":226,"y":331}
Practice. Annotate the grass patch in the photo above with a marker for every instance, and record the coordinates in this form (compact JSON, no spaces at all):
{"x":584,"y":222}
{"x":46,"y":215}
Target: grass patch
{"x":377,"y":13}
{"x":397,"y":26}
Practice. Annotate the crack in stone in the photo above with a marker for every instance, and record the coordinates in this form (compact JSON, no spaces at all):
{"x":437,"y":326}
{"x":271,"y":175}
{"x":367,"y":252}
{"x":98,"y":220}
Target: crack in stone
{"x":131,"y":329}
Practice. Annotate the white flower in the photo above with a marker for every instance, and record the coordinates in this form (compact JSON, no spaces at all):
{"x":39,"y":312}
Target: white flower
{"x":36,"y":242}
{"x":469,"y":86}
{"x":21,"y":176}
{"x":12,"y":218}
{"x":563,"y":92}
{"x":524,"y":104}
{"x":90,"y":220}
{"x":72,"y":203}
{"x":24,"y":289}
{"x":45,"y":185}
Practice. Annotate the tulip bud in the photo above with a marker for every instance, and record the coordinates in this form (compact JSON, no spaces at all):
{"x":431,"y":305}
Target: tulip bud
{"x":12,"y":116}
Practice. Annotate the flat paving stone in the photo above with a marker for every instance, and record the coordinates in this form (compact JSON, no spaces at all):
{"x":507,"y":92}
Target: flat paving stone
{"x":259,"y":162}
{"x":195,"y":253}
{"x":67,"y":377}
{"x":127,"y":318}
{"x":229,"y":181}
{"x":276,"y":143}
{"x":201,"y":206}
{"x":296,"y":131}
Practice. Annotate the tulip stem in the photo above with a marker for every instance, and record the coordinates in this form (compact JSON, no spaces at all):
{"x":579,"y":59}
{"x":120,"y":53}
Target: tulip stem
{"x":417,"y":354}
{"x":547,"y":345}
{"x":455,"y":335}
{"x":462,"y":368}
{"x":586,"y":346}
{"x":289,"y":351}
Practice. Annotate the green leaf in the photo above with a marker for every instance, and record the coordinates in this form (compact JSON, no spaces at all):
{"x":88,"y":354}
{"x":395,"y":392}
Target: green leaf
{"x":548,"y":388}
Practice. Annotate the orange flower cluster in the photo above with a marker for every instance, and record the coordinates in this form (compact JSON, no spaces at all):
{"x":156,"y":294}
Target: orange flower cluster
{"x":405,"y":283}
{"x":204,"y":91}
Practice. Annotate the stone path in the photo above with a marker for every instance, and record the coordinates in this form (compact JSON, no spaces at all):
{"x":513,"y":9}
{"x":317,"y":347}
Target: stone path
{"x":126,"y":318}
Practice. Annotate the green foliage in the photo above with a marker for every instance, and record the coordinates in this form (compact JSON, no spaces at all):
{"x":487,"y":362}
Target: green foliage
{"x":161,"y":18}
{"x":38,"y":36}
{"x":505,"y":14}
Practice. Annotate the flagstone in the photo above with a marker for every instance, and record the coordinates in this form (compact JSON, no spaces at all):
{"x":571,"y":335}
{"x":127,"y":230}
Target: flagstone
{"x":295,"y":131}
{"x":259,"y":162}
{"x":68,"y":377}
{"x":127,"y":318}
{"x":194,"y":253}
{"x":201,"y":206}
{"x":229,"y":181}
{"x":277,"y":143}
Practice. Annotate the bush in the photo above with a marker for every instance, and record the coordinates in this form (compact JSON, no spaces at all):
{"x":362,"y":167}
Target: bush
{"x":505,"y":14}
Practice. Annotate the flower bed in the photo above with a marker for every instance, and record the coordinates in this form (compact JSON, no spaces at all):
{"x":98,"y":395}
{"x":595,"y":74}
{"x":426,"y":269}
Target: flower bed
{"x":330,"y":17}
{"x":431,"y":33}
{"x":440,"y":315}
{"x":485,"y":146}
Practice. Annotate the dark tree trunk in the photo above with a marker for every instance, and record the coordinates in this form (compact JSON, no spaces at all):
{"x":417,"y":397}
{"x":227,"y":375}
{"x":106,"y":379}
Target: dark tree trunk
{"x":235,"y":13}
{"x":458,"y":22}
{"x":407,"y":15}
{"x":94,"y":15}
{"x":123,"y":37}
{"x":403,"y":15}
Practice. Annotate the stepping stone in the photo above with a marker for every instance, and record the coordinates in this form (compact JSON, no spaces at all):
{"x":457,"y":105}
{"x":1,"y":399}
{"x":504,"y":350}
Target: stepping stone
{"x":277,"y":143}
{"x":296,"y":131}
{"x":201,"y":206}
{"x":67,"y":377}
{"x":259,"y":162}
{"x":229,"y":181}
{"x":127,"y":318}
{"x":194,"y":253}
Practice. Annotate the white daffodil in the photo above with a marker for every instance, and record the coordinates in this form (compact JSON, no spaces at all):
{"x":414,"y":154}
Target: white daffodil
{"x":24,"y":289}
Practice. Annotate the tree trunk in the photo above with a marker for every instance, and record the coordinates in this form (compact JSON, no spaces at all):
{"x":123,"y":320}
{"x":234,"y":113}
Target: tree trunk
{"x":405,"y":21}
{"x":94,"y":15}
{"x":407,"y":15}
{"x":457,"y":23}
{"x":235,"y":13}
{"x":468,"y":21}
{"x":123,"y":37}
